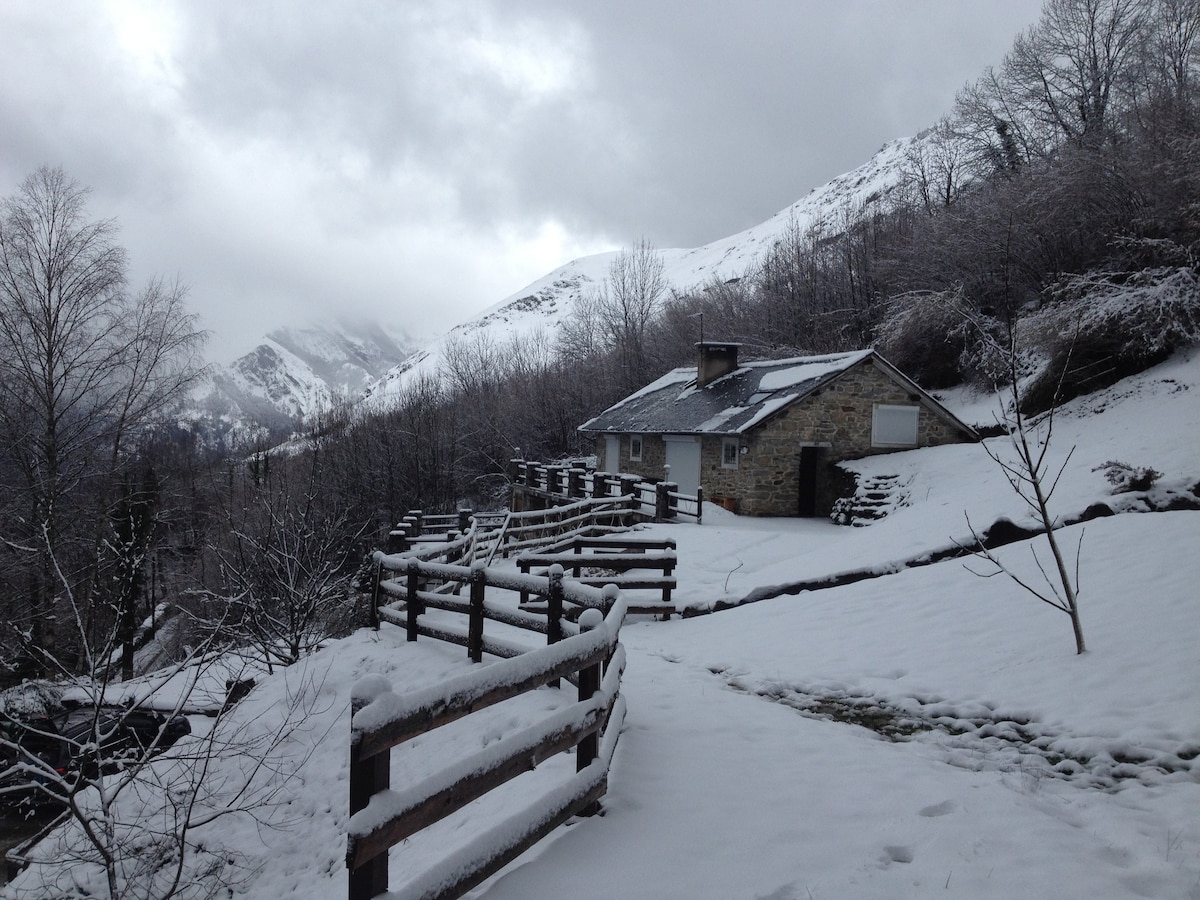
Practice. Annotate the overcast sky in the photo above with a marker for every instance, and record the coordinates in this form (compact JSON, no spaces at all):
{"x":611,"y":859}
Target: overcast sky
{"x":419,"y":161}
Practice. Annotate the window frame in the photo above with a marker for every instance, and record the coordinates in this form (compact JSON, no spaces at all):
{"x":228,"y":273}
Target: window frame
{"x":726,"y":444}
{"x":636,"y":447}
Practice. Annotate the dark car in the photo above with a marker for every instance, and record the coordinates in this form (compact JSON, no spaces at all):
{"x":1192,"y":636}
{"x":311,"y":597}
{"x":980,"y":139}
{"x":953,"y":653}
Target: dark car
{"x":102,"y":738}
{"x":84,"y":741}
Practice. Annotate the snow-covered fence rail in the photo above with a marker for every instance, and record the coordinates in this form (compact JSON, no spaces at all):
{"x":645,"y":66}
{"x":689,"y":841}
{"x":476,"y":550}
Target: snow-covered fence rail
{"x":381,"y":817}
{"x":616,"y":556}
{"x":657,"y":501}
{"x":403,"y":585}
{"x":418,"y":530}
{"x":435,"y":541}
{"x":537,"y":527}
{"x":490,"y":533}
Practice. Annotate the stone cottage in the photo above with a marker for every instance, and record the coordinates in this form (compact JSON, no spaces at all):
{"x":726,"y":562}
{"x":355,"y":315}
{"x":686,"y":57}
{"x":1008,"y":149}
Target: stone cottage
{"x":762,"y":437}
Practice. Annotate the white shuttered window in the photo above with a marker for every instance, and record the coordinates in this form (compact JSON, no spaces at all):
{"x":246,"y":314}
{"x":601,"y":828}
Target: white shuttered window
{"x":894,"y":426}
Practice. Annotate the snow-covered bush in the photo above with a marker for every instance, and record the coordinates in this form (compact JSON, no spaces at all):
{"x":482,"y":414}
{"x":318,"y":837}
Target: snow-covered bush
{"x":932,"y":337}
{"x":30,"y":699}
{"x":1102,"y":326}
{"x":1124,"y":477}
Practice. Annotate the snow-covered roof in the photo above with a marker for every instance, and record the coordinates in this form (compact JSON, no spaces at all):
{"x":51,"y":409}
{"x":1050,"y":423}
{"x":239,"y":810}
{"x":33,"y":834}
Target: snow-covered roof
{"x":731,"y":404}
{"x":744,"y":398}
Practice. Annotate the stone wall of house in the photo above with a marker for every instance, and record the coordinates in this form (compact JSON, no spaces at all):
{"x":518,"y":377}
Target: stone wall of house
{"x":722,"y":485}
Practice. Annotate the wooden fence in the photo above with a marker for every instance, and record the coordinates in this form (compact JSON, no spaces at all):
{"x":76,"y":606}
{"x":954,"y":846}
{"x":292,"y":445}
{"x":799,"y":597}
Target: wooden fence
{"x":623,"y":560}
{"x":487,"y":535}
{"x":657,"y":501}
{"x":588,"y":654}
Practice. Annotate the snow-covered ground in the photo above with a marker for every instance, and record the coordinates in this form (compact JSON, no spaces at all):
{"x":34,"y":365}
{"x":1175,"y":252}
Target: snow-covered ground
{"x":989,"y":761}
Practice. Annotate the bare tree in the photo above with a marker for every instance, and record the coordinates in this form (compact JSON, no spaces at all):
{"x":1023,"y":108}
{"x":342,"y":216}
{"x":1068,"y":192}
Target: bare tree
{"x":935,"y":167}
{"x":792,"y":287}
{"x":999,"y":138}
{"x":628,"y":303}
{"x":85,"y":366}
{"x":1068,"y":73}
{"x":287,"y":561}
{"x":1033,"y":476}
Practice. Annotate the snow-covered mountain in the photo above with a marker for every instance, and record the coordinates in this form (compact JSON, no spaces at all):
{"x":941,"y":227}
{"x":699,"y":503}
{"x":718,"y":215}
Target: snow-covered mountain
{"x":543,"y":304}
{"x":294,"y":374}
{"x":298,"y":371}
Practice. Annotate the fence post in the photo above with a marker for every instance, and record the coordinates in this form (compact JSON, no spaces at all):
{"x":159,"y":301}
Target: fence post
{"x":589,"y":682}
{"x":376,"y":578}
{"x":672,"y":490}
{"x":475,"y":625}
{"x":397,"y":540}
{"x":367,"y":776}
{"x":609,"y":595}
{"x":554,"y":611}
{"x":661,"y":501}
{"x":629,"y":486}
{"x":464,"y":520}
{"x":574,"y":483}
{"x":413,"y":605}
{"x":554,"y":605}
{"x":699,"y":504}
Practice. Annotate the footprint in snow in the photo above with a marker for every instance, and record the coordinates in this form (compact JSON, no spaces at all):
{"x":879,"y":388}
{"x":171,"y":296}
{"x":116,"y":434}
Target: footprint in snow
{"x":898,"y":853}
{"x":938,"y":809}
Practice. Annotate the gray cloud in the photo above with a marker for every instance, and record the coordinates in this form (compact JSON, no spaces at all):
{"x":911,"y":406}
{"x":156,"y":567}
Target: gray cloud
{"x":418,"y":161}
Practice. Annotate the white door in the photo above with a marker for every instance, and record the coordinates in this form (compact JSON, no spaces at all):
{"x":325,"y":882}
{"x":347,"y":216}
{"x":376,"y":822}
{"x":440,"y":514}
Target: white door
{"x":612,"y":454}
{"x":683,"y":456}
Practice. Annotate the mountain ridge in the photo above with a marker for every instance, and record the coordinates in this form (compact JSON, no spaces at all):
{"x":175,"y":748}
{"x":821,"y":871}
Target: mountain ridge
{"x":547,"y":301}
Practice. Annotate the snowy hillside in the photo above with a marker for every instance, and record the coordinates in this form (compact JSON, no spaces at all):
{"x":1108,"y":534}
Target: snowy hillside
{"x":923,"y":732}
{"x":544,"y":303}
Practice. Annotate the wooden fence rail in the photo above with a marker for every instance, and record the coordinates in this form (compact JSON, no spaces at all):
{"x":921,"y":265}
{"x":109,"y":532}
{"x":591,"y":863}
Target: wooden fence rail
{"x":588,"y":654}
{"x":623,"y":560}
{"x":657,"y":501}
{"x":489,"y":534}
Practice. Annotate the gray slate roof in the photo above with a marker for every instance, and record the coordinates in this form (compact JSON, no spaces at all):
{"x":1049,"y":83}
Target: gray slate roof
{"x":731,"y":404}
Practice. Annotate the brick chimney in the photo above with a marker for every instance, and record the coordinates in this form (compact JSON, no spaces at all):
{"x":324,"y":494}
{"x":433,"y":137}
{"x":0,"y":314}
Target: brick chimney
{"x":717,"y":358}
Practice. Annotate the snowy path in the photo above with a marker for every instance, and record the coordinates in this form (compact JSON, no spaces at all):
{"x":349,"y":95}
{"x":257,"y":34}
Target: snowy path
{"x":722,"y":794}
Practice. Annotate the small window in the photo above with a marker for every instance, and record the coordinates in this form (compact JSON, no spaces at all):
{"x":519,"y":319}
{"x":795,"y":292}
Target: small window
{"x":895,"y":426}
{"x":730,"y":450}
{"x":635,"y":448}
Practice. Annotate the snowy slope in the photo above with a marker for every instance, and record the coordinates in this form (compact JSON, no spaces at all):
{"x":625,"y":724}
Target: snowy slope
{"x":544,"y":303}
{"x":1014,"y":768}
